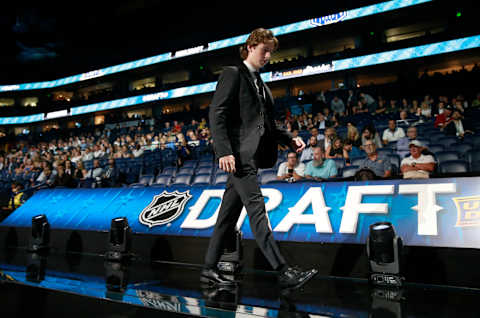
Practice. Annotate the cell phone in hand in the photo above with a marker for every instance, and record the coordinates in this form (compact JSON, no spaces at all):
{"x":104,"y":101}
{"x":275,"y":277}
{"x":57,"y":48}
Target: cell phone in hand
{"x":290,"y":171}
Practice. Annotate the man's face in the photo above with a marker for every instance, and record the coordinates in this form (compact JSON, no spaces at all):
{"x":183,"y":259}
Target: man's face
{"x":292,"y":159}
{"x":415,"y":151}
{"x":259,"y":55}
{"x":369,"y":147}
{"x":391,"y":124}
{"x":412,"y":133}
{"x":317,"y":154}
{"x":314,"y":132}
{"x":313,"y":140}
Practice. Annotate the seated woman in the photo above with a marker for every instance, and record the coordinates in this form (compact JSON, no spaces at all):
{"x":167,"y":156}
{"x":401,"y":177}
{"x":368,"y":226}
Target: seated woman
{"x":335,"y":149}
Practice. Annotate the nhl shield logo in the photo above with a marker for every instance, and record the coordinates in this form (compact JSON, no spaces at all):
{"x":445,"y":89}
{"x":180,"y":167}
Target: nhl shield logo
{"x":164,"y":208}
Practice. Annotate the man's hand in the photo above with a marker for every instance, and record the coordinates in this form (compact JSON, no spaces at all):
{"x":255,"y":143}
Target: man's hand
{"x":299,"y":144}
{"x":227,"y":163}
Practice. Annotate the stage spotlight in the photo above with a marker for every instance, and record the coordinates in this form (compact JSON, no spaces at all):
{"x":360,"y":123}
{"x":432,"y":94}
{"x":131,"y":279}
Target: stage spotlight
{"x":119,"y":240}
{"x":384,"y":249}
{"x":36,"y":267}
{"x":40,"y":238}
{"x":116,"y":279}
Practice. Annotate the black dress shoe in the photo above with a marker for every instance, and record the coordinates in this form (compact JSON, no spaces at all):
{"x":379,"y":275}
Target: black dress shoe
{"x":213,"y":276}
{"x":293,"y":278}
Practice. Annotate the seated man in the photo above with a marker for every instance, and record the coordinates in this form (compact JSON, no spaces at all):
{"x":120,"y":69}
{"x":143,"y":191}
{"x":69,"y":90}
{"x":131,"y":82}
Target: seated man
{"x":307,"y":153}
{"x":392,"y":133}
{"x":403,"y":143}
{"x":292,"y":170}
{"x":320,"y":168}
{"x":379,"y":164}
{"x":417,"y":165}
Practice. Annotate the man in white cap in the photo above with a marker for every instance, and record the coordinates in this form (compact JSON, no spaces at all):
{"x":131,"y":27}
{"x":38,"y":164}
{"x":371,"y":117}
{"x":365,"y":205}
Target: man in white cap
{"x":417,"y":165}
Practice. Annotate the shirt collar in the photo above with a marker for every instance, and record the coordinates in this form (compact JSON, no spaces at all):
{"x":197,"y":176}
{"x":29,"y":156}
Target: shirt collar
{"x":250,"y":67}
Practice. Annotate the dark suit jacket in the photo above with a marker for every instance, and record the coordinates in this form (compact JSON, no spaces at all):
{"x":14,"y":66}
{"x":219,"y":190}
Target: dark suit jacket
{"x":237,"y":121}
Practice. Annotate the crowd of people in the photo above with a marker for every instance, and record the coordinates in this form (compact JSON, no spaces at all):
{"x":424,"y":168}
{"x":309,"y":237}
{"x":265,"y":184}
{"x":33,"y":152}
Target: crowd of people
{"x":347,"y":128}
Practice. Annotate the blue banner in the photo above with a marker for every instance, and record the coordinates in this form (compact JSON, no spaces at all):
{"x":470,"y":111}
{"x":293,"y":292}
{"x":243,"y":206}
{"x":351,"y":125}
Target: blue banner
{"x":436,"y":212}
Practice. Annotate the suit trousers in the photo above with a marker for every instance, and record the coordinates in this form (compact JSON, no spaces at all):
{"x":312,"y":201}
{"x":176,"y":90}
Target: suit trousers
{"x":243,"y":189}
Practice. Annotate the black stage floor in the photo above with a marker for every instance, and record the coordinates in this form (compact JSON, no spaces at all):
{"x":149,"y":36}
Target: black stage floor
{"x":81,"y":285}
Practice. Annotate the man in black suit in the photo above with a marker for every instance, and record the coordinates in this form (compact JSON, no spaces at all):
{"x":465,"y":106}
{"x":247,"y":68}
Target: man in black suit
{"x":246,"y":138}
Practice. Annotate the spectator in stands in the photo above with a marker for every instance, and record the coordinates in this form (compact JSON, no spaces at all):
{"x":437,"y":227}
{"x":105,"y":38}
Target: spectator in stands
{"x":403,"y":118}
{"x":456,"y":126}
{"x":369,"y":133}
{"x":96,"y":172}
{"x":351,"y":151}
{"x":353,"y":135}
{"x":111,"y":175}
{"x":369,"y":101}
{"x":87,"y":155}
{"x":379,"y":164}
{"x":335,"y":149}
{"x":330,"y":134}
{"x":361,"y":107}
{"x":322,"y":122}
{"x":319,"y":168}
{"x":337,"y":105}
{"x":47,"y":177}
{"x":292,"y":170}
{"x":98,"y":152}
{"x":476,"y":102}
{"x":17,"y":198}
{"x":381,"y":109}
{"x":392,"y":107}
{"x":392,"y":133}
{"x":425,"y":111}
{"x":443,"y":118}
{"x":307,"y":153}
{"x":138,"y":151}
{"x":63,"y":179}
{"x":351,"y":101}
{"x":403,"y":144}
{"x":417,"y":165}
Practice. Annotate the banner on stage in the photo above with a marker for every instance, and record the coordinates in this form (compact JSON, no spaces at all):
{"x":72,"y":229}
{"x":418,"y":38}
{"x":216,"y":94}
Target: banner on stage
{"x":435,"y":212}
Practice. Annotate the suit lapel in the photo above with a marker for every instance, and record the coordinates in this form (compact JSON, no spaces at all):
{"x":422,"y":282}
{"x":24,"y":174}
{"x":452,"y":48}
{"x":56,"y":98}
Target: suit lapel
{"x":250,"y":80}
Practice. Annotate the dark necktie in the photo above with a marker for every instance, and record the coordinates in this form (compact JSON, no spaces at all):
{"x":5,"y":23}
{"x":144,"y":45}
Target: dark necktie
{"x":260,"y":88}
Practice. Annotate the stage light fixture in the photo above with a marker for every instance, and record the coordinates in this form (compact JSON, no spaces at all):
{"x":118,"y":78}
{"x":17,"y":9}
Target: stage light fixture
{"x":40,"y":238}
{"x":119,"y":240}
{"x":384,"y":250}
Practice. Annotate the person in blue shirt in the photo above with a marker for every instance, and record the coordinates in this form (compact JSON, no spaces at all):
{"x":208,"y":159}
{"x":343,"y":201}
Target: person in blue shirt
{"x":319,"y":168}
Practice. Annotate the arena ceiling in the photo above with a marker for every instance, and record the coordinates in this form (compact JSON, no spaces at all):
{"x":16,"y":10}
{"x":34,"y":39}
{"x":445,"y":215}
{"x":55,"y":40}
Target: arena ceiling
{"x":48,"y":39}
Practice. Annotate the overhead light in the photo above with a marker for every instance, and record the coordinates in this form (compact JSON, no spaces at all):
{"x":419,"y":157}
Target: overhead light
{"x":384,"y":254}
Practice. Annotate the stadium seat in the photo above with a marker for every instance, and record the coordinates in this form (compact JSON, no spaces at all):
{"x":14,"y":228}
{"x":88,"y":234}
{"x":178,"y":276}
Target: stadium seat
{"x":137,"y":185}
{"x":339,"y":162}
{"x":185,"y":171}
{"x":462,"y":147}
{"x":162,"y":180}
{"x":385,"y":151}
{"x":190,"y":164}
{"x":182,"y":180}
{"x":448,"y":141}
{"x":395,"y":161}
{"x":349,"y":171}
{"x":221,"y":179}
{"x":146,"y":179}
{"x":169,"y":171}
{"x":453,"y":166}
{"x":204,"y":170}
{"x":203,"y":164}
{"x":270,"y":177}
{"x":473,"y":159}
{"x":436,"y":148}
{"x":357,"y":161}
{"x":201,"y":180}
{"x":447,"y":155}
